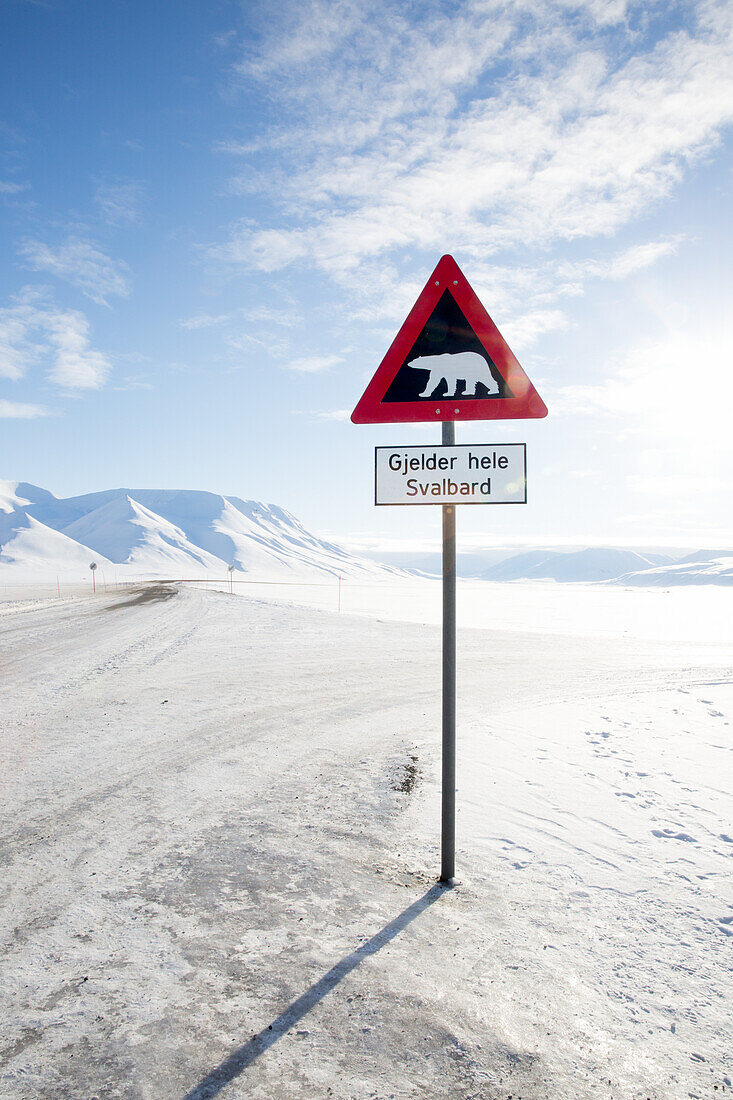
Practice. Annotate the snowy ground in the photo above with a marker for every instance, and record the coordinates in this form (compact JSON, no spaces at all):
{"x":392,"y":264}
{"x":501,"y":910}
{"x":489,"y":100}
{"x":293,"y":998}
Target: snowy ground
{"x":220,"y":820}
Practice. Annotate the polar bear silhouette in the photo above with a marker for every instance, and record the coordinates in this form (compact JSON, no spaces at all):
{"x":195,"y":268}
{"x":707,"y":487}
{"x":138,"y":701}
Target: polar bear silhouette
{"x":464,"y":366}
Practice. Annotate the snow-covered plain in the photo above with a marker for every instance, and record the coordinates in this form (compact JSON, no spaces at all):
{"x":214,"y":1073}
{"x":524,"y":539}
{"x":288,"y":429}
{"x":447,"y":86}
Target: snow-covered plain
{"x":221,"y":815}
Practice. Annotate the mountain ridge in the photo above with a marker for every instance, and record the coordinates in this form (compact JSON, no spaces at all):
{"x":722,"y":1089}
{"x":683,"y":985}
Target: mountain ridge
{"x":159,"y":531}
{"x":184,"y":531}
{"x":591,"y":564}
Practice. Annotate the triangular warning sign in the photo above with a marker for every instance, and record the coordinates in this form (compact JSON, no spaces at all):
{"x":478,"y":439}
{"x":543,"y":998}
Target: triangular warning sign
{"x":448,"y":362}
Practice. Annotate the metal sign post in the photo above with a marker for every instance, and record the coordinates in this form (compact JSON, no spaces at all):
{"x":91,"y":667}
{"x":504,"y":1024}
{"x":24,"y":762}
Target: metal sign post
{"x":448,"y":817}
{"x":449,"y":362}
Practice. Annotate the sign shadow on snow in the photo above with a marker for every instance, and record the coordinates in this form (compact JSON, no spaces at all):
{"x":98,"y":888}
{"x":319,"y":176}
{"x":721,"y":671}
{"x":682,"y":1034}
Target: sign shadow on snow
{"x":244,"y":1056}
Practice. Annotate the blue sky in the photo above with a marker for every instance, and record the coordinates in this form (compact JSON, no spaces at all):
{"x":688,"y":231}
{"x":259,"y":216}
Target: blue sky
{"x":214,"y":218}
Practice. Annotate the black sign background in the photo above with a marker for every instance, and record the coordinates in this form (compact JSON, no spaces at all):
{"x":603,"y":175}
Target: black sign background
{"x":446,"y":332}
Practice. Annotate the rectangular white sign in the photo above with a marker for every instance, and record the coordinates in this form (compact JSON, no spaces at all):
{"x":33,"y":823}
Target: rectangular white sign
{"x":468,"y":473}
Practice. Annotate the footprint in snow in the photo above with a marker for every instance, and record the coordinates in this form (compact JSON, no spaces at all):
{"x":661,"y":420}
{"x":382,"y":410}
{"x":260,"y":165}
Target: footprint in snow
{"x":670,"y":834}
{"x":724,"y":925}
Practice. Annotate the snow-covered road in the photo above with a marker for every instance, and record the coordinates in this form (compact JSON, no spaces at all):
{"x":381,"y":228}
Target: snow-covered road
{"x":220,"y":820}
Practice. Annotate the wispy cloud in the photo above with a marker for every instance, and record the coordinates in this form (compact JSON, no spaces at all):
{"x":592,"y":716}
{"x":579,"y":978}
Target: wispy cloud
{"x":82,"y":264}
{"x":527,"y":300}
{"x":313,"y":364}
{"x":526,"y":329}
{"x":34,"y":330}
{"x":205,"y":320}
{"x":8,"y":187}
{"x":267,"y":316}
{"x":16,"y":349}
{"x":413,"y":135}
{"x":640,"y":257}
{"x":333,"y":414}
{"x":133,"y":384}
{"x":260,"y":316}
{"x":16,"y":410}
{"x":569,"y":277}
{"x":76,"y":365}
{"x":119,"y":200}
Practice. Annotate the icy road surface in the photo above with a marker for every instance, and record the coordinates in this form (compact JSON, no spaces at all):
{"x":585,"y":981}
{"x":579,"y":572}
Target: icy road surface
{"x":220,"y":820}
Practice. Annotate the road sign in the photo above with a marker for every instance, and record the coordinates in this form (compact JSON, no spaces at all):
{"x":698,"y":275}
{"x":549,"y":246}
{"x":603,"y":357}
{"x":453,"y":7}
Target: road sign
{"x":472,"y":473}
{"x":448,"y":362}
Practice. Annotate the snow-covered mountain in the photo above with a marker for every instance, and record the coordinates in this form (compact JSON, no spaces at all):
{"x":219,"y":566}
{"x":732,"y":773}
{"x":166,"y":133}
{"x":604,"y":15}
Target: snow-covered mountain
{"x":16,"y":494}
{"x":37,"y":549}
{"x":593,"y":564}
{"x":191,"y":533}
{"x":616,"y":566}
{"x":163,"y":532}
{"x":717,"y":569}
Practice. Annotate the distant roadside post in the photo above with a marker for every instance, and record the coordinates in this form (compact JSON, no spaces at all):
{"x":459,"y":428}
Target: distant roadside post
{"x":230,"y":571}
{"x":449,"y":362}
{"x":93,"y":568}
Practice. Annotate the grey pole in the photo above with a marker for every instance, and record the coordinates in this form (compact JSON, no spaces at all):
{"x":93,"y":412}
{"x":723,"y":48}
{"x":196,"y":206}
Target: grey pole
{"x":448,"y":828}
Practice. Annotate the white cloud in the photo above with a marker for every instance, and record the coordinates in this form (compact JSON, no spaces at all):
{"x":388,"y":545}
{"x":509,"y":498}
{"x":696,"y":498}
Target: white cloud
{"x":8,"y":187}
{"x":133,"y":384}
{"x":16,"y":350}
{"x":410,"y":135}
{"x":263,"y":316}
{"x":33,"y":329}
{"x":15,"y":410}
{"x":640,"y":256}
{"x":267,"y":249}
{"x":569,"y":277}
{"x":334,"y":414}
{"x":313,"y":364}
{"x":527,"y":328}
{"x":76,"y":364}
{"x":204,"y":320}
{"x":522,"y":298}
{"x":247,"y":342}
{"x":83,"y":265}
{"x":119,"y":201}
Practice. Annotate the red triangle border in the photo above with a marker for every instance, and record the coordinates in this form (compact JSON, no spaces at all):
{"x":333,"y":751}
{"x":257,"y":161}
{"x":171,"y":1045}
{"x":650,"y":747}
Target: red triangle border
{"x":526,"y":404}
